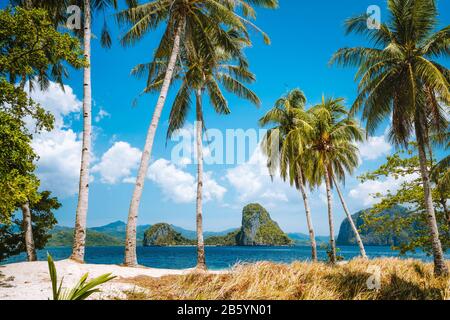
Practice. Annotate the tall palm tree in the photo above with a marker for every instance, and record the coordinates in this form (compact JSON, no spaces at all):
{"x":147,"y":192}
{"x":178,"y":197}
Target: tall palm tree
{"x":291,"y":132}
{"x":201,"y":71}
{"x":79,"y":242}
{"x":333,"y":153}
{"x":57,"y":11}
{"x":398,"y":76}
{"x":185,"y":19}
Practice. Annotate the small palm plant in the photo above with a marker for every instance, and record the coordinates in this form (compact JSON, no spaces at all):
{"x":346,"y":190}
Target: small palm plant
{"x":82,"y":289}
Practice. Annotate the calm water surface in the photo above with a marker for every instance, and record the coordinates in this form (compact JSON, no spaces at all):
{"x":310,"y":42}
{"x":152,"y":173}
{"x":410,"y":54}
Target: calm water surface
{"x":216,"y":257}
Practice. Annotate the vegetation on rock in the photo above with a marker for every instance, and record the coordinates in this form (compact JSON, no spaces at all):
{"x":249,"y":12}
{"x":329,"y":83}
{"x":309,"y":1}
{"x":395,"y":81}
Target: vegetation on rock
{"x":163,"y":234}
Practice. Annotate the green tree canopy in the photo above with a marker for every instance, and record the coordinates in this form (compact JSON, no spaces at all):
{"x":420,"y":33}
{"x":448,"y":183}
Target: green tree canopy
{"x":43,"y":220}
{"x":404,"y":165}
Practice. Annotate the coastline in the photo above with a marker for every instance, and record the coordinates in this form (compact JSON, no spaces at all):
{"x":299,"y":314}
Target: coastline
{"x":31,"y":280}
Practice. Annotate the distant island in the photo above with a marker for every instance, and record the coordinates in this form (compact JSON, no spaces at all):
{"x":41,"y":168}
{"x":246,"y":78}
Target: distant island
{"x":257,"y":229}
{"x":368,"y":236}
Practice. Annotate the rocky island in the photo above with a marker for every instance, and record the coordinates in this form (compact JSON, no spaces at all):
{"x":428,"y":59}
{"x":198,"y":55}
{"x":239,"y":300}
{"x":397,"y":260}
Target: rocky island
{"x":163,"y":234}
{"x":258,"y":229}
{"x":369,"y":236}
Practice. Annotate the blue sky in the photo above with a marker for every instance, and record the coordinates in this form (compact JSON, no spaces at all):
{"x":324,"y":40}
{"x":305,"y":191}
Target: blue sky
{"x":304,"y":35}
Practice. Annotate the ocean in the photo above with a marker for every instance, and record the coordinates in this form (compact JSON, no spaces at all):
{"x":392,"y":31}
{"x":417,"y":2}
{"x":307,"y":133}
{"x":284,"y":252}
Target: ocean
{"x":216,"y":257}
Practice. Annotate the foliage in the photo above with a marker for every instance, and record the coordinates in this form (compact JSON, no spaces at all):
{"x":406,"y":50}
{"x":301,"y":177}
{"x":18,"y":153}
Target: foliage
{"x":162,"y":234}
{"x":208,"y":72}
{"x":333,"y":147}
{"x":43,"y":220}
{"x":81,"y":291}
{"x":57,"y":10}
{"x":63,"y":237}
{"x":17,"y":183}
{"x":330,"y":254}
{"x":371,"y":237}
{"x":292,"y":127}
{"x":399,"y":75}
{"x":404,"y":166}
{"x":227,"y":240}
{"x":259,"y":229}
{"x":32,"y":48}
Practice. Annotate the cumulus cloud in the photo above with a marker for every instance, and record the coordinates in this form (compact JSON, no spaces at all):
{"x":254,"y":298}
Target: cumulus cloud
{"x":364,"y":192}
{"x":102,"y":113}
{"x":58,"y":166}
{"x":253,"y":182}
{"x":249,"y":178}
{"x":374,"y":148}
{"x":59,"y":151}
{"x":59,"y":102}
{"x":180,"y":186}
{"x":118,"y":163}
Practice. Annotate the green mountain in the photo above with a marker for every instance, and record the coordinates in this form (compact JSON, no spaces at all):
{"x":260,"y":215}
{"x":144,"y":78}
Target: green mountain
{"x":118,"y":230}
{"x":227,"y":240}
{"x":302,"y":239}
{"x":369,"y":237}
{"x":258,"y":229}
{"x":163,"y":234}
{"x":192,"y":235}
{"x":63,"y":237}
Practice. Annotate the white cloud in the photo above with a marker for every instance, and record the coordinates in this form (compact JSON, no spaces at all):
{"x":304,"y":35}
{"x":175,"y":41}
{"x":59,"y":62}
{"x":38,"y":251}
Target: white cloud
{"x":249,"y":178}
{"x":58,"y":166}
{"x":101,"y":115}
{"x":59,"y":151}
{"x":60,"y":103}
{"x":374,"y":148}
{"x":180,"y":186}
{"x":275,"y":196}
{"x":364,"y":191}
{"x":253,"y":182}
{"x":117,"y":164}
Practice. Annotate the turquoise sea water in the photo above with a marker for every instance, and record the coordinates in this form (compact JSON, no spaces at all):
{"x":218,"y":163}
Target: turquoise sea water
{"x":216,"y":257}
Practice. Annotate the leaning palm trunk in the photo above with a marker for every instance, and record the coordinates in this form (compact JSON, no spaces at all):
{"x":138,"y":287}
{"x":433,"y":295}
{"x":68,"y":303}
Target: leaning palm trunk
{"x":130,"y":241}
{"x":333,"y":256}
{"x":79,"y":240}
{"x":440,"y":267}
{"x":312,"y":236}
{"x":28,"y":232}
{"x":350,"y":220}
{"x":201,"y":264}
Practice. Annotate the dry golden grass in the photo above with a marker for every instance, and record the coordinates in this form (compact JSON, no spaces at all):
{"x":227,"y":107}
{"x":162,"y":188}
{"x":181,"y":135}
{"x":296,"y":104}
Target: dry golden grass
{"x":400,"y":280}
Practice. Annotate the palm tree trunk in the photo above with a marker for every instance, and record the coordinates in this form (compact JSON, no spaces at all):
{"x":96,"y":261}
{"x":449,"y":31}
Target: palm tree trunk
{"x":312,"y":236}
{"x":440,"y":267}
{"x":130,"y":241}
{"x":350,"y":220}
{"x":28,"y":232}
{"x":333,"y":256}
{"x":79,"y":240}
{"x":201,"y":264}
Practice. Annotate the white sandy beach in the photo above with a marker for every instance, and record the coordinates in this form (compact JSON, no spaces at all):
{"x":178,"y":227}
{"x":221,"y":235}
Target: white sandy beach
{"x":31,"y":280}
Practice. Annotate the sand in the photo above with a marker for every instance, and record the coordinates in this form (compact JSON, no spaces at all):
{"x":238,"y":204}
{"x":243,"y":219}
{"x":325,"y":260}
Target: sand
{"x":31,"y":281}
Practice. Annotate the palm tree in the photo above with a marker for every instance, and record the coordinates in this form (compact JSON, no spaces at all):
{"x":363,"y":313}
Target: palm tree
{"x":57,"y":10}
{"x":332,"y":153}
{"x":291,"y":132}
{"x":201,"y":71}
{"x":185,"y":19}
{"x":79,"y":242}
{"x":398,"y":77}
